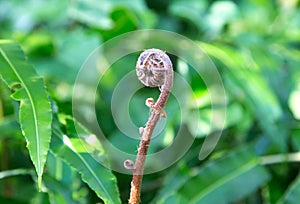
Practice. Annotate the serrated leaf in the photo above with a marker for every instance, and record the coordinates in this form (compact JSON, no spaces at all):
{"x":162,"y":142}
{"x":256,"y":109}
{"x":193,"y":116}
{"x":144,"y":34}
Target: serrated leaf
{"x":78,"y":154}
{"x":35,"y":115}
{"x":216,"y":180}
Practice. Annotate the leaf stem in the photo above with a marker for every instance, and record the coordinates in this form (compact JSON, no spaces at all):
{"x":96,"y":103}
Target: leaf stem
{"x":1,"y":107}
{"x":280,"y":158}
{"x":136,"y":182}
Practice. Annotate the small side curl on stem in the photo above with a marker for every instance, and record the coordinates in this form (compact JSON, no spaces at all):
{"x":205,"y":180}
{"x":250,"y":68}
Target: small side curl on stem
{"x":151,"y":104}
{"x":154,"y":69}
{"x":128,"y":164}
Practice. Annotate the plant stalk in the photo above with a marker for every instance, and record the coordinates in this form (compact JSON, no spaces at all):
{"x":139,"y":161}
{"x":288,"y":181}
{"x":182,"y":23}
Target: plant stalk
{"x":138,"y":171}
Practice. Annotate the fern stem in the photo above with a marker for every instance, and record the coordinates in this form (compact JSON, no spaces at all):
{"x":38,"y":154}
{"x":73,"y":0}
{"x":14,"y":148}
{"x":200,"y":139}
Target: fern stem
{"x":153,"y":54}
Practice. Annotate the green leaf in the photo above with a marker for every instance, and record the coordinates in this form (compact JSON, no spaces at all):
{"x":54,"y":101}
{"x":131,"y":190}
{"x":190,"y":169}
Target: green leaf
{"x":234,"y":115}
{"x":58,"y":192}
{"x":192,"y":10}
{"x":292,"y":196}
{"x":175,"y":179}
{"x":216,"y":180}
{"x":174,"y":198}
{"x":59,"y":170}
{"x":248,"y":84}
{"x":112,"y":17}
{"x":71,"y":50}
{"x":35,"y":111}
{"x":77,"y":152}
{"x":294,"y":100}
{"x":58,"y":179}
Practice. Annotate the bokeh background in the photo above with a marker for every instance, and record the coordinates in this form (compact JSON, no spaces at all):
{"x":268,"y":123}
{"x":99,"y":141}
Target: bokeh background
{"x":255,"y":46}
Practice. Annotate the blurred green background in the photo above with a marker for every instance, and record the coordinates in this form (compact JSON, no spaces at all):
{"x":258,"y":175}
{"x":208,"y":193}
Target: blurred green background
{"x":255,"y":46}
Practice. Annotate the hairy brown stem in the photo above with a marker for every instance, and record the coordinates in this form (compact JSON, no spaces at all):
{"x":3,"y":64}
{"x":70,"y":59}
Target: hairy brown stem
{"x":136,"y":182}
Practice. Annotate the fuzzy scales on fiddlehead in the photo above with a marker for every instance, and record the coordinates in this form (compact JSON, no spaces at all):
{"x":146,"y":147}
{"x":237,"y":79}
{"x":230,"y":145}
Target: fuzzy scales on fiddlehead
{"x":152,"y":67}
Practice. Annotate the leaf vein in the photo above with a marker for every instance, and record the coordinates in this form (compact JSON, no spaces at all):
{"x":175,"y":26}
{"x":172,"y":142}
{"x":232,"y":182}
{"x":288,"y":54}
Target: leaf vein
{"x":89,"y":169}
{"x":32,"y":105}
{"x":230,"y":176}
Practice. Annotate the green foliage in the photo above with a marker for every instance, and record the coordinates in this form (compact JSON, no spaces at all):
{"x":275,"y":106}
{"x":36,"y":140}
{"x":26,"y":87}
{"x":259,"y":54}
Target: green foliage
{"x":35,"y":112}
{"x":248,"y":80}
{"x":293,"y":194}
{"x":215,"y":180}
{"x":15,"y":172}
{"x":255,"y":47}
{"x":79,"y":154}
{"x":219,"y":179}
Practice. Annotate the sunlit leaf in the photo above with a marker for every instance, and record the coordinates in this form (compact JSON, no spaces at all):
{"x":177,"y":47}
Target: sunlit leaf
{"x":59,"y":170}
{"x":221,"y":12}
{"x":213,"y":182}
{"x":294,"y":102}
{"x":74,"y":151}
{"x":234,"y":115}
{"x":58,"y":192}
{"x":35,"y":111}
